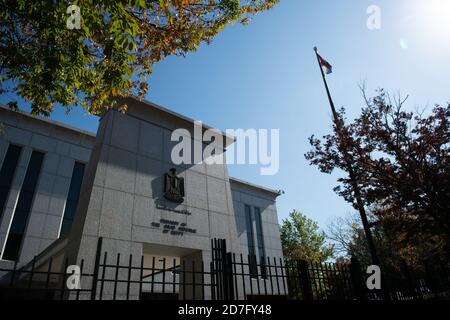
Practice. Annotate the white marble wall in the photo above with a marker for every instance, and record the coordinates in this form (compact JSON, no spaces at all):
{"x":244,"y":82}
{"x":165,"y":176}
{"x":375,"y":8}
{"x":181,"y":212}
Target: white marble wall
{"x":62,"y":147}
{"x":247,"y":195}
{"x":127,"y":189}
{"x":122,"y":191}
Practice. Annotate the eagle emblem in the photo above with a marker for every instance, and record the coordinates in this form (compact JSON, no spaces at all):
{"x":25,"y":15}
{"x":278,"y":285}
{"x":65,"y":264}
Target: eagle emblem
{"x":173,"y":187}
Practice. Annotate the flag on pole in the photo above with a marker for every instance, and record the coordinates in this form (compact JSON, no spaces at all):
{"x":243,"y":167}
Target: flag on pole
{"x":326,"y":67}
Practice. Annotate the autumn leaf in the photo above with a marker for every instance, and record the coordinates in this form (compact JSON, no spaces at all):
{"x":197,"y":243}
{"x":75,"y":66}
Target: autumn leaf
{"x":46,"y":63}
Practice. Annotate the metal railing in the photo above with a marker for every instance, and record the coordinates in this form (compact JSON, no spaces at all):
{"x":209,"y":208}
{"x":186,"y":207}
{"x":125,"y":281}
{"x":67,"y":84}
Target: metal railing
{"x":227,"y":276}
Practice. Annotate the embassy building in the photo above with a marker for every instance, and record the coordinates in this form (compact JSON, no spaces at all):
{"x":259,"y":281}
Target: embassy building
{"x":68,"y":196}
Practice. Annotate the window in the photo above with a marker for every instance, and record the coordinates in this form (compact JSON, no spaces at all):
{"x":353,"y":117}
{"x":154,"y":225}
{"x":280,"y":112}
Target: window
{"x":252,"y":261}
{"x":72,"y":198}
{"x":23,"y":208}
{"x":7,"y":174}
{"x":253,"y":258}
{"x":260,"y":240}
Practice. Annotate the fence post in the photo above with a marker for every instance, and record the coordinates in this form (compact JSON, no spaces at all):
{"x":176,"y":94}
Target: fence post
{"x":409,"y":278}
{"x":430,"y":279}
{"x":357,"y":279}
{"x":228,"y":268}
{"x":13,"y":275}
{"x":303,"y":270}
{"x":223,"y":269}
{"x":96,"y":268}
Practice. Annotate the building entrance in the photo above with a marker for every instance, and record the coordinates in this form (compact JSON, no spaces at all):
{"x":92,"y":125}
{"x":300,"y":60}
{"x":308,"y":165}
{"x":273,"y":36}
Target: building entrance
{"x":171,"y":272}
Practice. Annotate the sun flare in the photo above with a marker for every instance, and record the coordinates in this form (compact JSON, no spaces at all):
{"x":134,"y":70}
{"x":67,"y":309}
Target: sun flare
{"x":436,"y":14}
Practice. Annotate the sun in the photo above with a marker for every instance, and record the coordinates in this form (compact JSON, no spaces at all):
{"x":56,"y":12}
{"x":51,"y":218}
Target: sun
{"x":428,"y":23}
{"x":436,"y":16}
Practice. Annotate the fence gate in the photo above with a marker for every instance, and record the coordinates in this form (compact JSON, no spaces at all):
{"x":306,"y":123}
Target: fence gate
{"x":222,"y":271}
{"x":226,"y":276}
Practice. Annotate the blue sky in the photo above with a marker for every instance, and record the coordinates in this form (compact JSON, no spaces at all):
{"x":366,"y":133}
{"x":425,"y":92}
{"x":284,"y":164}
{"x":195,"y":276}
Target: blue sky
{"x":265,"y":76}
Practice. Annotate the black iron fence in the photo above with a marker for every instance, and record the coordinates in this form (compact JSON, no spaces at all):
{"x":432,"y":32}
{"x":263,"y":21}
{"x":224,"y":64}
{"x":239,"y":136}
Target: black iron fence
{"x":227,"y":276}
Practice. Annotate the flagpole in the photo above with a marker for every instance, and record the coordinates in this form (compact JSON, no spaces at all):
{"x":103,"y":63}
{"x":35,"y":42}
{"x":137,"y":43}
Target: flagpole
{"x":326,"y":87}
{"x":356,"y":191}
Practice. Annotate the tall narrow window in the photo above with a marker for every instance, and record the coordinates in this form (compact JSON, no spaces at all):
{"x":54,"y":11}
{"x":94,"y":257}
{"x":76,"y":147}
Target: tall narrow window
{"x":23,"y":208}
{"x":252,"y":261}
{"x":260,"y":240}
{"x":7,"y":174}
{"x":72,"y":198}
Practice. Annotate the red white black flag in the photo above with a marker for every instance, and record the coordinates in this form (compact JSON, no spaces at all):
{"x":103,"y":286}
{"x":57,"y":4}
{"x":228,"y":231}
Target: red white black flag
{"x":326,"y":67}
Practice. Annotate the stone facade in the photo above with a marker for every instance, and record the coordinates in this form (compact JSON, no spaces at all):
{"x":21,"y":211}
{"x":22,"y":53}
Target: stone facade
{"x":62,"y":146}
{"x":122,"y":194}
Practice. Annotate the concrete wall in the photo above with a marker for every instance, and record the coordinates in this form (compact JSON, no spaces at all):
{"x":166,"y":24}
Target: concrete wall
{"x":244,"y":194}
{"x":127,"y":187}
{"x":123,"y":191}
{"x":62,"y":147}
{"x":122,"y":195}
